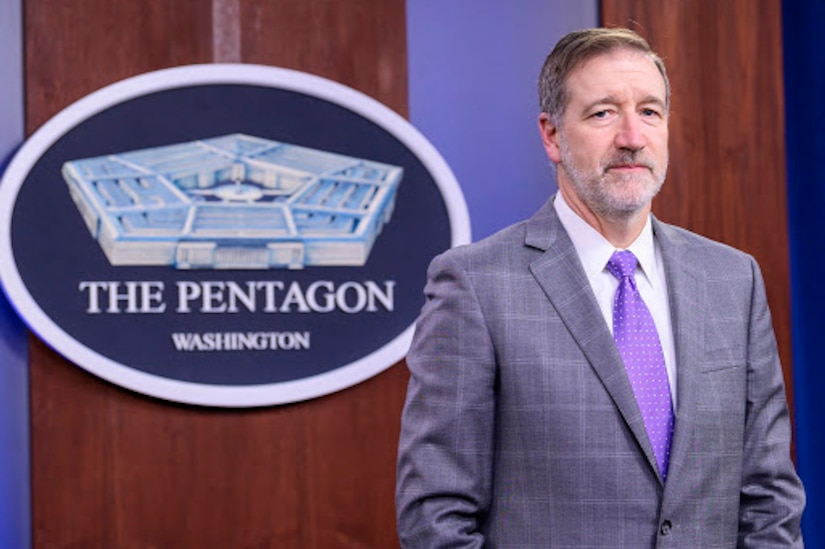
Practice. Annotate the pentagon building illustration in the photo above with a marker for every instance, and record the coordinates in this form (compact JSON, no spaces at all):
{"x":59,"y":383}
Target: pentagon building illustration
{"x":233,"y":202}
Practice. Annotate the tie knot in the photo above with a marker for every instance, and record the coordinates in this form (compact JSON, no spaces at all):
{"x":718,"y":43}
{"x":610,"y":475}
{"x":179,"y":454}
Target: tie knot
{"x":622,"y":264}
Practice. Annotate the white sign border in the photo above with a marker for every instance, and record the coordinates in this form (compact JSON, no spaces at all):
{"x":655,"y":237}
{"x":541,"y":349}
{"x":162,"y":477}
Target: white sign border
{"x":193,"y":75}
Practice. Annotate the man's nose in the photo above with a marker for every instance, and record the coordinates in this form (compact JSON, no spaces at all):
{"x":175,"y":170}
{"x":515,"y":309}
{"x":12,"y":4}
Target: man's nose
{"x":630,"y":134}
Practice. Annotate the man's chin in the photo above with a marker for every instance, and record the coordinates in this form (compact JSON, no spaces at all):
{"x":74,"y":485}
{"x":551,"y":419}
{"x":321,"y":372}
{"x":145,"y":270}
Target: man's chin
{"x":631,"y":192}
{"x":625,"y":206}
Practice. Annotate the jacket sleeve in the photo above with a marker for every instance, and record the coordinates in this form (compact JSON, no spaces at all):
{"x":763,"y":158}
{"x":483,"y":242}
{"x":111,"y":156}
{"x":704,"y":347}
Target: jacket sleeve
{"x":446,"y":445}
{"x":772,"y":497}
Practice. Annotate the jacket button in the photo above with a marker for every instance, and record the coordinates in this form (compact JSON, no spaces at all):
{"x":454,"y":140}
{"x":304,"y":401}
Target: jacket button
{"x":665,"y":528}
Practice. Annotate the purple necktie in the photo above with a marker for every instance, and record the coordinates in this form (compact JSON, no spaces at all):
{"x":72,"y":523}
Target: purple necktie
{"x":638,"y":342}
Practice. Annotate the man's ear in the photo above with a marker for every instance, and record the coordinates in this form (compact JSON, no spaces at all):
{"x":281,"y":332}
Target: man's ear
{"x":550,"y":138}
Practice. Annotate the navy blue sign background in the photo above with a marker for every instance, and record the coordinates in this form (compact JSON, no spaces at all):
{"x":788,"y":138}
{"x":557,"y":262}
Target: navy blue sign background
{"x":55,"y":252}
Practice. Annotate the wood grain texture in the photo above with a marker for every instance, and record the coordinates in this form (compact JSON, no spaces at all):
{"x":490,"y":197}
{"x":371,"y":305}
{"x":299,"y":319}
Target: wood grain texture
{"x":354,"y":42}
{"x":75,"y":48}
{"x":112,"y":468}
{"x":727,"y":175}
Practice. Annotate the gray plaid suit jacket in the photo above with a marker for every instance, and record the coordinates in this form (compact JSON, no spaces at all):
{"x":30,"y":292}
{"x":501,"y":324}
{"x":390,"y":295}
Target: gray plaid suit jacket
{"x":520,"y":427}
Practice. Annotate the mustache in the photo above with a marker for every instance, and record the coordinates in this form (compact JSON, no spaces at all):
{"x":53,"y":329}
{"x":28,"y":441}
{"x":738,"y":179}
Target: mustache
{"x":624,"y":158}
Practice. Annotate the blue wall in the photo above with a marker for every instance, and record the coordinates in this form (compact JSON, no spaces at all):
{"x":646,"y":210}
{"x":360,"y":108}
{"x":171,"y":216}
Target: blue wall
{"x":804,"y":57}
{"x":15,"y":520}
{"x":473,"y":73}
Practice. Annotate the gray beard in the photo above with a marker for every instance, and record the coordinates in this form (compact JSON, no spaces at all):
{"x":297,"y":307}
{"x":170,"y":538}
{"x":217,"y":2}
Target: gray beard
{"x":602,"y":196}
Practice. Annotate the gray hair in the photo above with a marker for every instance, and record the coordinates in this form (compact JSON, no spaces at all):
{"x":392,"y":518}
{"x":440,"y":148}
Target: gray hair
{"x":577,"y":47}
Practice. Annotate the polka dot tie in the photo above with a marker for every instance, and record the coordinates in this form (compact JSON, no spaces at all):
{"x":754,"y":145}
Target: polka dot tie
{"x":638,"y":342}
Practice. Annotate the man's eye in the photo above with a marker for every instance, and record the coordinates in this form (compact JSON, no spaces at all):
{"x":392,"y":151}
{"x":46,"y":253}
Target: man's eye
{"x":650,"y":112}
{"x":599,"y":114}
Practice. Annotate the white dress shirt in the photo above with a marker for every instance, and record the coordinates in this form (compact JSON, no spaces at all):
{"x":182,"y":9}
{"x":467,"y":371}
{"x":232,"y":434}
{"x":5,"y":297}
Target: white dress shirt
{"x":594,"y":251}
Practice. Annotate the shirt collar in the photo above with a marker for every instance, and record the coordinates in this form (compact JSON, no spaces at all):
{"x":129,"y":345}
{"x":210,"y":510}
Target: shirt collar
{"x":594,"y":250}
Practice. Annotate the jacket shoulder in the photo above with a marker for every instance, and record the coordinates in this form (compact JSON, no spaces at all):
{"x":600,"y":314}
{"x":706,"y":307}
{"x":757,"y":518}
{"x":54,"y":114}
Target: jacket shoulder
{"x":712,"y":254}
{"x":490,"y":252}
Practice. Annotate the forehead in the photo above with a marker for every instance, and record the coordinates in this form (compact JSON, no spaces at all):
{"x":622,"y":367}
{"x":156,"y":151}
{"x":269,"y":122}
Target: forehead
{"x":617,"y":73}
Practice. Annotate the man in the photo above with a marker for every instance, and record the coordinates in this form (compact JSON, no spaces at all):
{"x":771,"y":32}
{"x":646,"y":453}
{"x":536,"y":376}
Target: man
{"x":593,"y":377}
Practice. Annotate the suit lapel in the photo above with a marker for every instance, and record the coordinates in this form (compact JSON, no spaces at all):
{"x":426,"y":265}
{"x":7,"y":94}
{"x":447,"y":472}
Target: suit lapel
{"x":688,"y":309}
{"x":561,"y":276}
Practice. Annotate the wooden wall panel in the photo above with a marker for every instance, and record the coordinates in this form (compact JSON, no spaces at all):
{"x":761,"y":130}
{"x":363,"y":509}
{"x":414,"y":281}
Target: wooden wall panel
{"x":727,"y":174}
{"x":74,"y":48}
{"x":111,"y":468}
{"x":319,"y":37}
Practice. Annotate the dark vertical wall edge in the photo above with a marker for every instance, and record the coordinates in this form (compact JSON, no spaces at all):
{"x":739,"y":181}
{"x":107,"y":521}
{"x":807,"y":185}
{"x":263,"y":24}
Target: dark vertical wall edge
{"x":15,"y":495}
{"x":805,"y":117}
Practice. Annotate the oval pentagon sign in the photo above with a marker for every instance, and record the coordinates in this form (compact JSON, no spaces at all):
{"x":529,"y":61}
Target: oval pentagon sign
{"x":226,"y":235}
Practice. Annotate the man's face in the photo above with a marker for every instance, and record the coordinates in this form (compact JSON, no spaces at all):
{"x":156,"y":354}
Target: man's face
{"x":611,"y":146}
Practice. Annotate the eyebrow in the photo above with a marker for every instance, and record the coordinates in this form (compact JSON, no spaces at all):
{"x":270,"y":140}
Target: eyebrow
{"x":612,"y":100}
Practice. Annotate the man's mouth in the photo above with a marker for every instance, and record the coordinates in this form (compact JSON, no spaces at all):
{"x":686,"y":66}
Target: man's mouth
{"x":627,"y":167}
